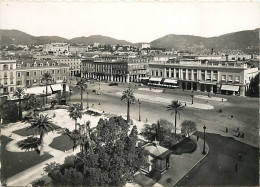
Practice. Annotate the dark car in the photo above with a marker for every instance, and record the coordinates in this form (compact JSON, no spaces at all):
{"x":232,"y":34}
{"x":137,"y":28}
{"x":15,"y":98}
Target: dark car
{"x":113,"y":84}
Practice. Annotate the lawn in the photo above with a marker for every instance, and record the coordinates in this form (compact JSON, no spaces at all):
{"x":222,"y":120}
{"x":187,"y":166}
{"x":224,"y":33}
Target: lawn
{"x":62,"y":143}
{"x":218,"y":168}
{"x":185,"y":146}
{"x":24,"y":132}
{"x":16,"y":162}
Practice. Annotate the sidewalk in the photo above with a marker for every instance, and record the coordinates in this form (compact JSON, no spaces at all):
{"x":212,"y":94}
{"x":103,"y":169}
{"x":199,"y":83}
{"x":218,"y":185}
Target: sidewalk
{"x":182,"y":164}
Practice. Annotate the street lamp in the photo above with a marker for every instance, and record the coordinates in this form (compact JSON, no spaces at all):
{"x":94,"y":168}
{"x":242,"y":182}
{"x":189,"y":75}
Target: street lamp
{"x":204,"y":152}
{"x":87,"y":101}
{"x":192,"y":97}
{"x":43,"y":96}
{"x":139,"y":103}
{"x":99,"y":86}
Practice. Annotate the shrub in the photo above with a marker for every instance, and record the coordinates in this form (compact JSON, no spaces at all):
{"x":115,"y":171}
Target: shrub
{"x":10,"y":112}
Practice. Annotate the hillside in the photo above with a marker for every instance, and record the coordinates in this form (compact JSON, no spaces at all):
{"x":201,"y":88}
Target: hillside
{"x":99,"y":39}
{"x":17,"y":37}
{"x":243,"y":41}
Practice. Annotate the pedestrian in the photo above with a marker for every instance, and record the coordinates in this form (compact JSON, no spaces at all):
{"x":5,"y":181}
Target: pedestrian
{"x":185,"y":104}
{"x":236,"y":167}
{"x":146,"y":120}
{"x":226,"y":130}
{"x":238,"y":134}
{"x":198,"y":138}
{"x":240,"y":156}
{"x":222,"y":100}
{"x":231,"y":116}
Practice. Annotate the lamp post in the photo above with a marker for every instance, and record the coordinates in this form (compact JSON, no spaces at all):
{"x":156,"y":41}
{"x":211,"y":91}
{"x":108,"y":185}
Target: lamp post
{"x":204,"y":152}
{"x":43,"y":97}
{"x":192,"y":97}
{"x":99,"y":86}
{"x":139,"y":103}
{"x":87,"y":101}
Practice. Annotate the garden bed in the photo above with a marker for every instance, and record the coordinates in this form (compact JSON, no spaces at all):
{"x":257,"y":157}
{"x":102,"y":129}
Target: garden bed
{"x":185,"y":146}
{"x":16,"y":162}
{"x":63,"y":143}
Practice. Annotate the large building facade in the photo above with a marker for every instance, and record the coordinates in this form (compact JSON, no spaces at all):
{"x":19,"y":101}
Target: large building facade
{"x":112,"y":69}
{"x":30,"y":72}
{"x":218,"y":76}
{"x":7,"y":76}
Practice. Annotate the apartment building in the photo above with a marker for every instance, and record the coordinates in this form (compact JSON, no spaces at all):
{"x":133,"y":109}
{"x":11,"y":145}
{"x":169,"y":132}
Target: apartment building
{"x":218,"y":76}
{"x":29,"y":72}
{"x":115,"y":69}
{"x":7,"y":76}
{"x":56,"y":48}
{"x":74,"y":64}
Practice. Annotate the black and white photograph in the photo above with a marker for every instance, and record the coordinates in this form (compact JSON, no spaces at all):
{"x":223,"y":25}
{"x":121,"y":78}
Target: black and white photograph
{"x":129,"y":93}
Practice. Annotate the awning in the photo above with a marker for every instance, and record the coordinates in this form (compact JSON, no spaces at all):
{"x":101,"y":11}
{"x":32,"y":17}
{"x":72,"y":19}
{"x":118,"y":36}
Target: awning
{"x":56,"y":87}
{"x":171,"y":81}
{"x":143,"y":78}
{"x":39,"y":90}
{"x":230,"y":88}
{"x":155,"y":79}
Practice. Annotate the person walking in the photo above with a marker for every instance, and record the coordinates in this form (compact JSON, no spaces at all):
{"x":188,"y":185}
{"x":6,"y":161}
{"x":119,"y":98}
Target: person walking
{"x":226,"y":130}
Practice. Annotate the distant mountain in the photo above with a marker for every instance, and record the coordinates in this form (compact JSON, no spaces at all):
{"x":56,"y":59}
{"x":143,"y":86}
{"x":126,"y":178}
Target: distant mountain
{"x":243,"y":41}
{"x":18,"y":37}
{"x":99,"y":39}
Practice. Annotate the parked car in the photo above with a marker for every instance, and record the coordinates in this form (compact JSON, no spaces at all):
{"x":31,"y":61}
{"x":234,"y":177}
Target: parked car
{"x":113,"y":84}
{"x":97,"y":93}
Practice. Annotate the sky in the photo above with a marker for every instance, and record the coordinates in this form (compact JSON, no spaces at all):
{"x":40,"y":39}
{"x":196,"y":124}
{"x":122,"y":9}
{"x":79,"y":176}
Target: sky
{"x":131,"y":21}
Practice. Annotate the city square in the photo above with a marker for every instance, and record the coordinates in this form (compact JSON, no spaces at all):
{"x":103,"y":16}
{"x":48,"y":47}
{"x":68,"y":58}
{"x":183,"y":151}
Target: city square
{"x":180,"y":110}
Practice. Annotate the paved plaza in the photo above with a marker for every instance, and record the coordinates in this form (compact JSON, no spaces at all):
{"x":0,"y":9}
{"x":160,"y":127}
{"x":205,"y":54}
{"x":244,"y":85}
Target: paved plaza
{"x":204,"y":111}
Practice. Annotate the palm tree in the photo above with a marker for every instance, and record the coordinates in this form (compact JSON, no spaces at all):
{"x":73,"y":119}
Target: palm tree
{"x":75,"y":112}
{"x":46,"y":77}
{"x":129,"y":98}
{"x":19,"y":93}
{"x":82,"y":85}
{"x":175,"y":107}
{"x":33,"y":102}
{"x":41,"y":125}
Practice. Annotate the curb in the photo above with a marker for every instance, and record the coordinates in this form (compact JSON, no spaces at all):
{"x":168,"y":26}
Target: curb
{"x":195,"y":164}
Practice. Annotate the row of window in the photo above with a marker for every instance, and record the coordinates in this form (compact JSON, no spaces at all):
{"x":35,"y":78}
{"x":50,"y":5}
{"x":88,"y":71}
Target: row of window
{"x":35,"y":81}
{"x":35,"y":65}
{"x":6,"y":81}
{"x":28,"y":73}
{"x":230,"y":78}
{"x":8,"y":66}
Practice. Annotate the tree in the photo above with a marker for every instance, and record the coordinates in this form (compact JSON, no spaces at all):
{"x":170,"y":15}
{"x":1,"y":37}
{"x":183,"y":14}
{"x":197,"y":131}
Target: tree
{"x":46,"y":77}
{"x":175,"y":107}
{"x":188,"y":127}
{"x":19,"y":92}
{"x":254,"y":86}
{"x":9,"y":112}
{"x":114,"y":160}
{"x":75,"y":112}
{"x":157,"y":130}
{"x":82,"y":85}
{"x":129,"y":98}
{"x":32,"y":103}
{"x":41,"y":125}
